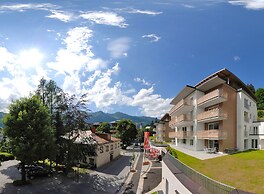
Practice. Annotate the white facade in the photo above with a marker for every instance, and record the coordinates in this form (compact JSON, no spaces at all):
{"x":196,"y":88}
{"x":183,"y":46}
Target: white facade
{"x":256,"y":135}
{"x":170,"y":184}
{"x":106,"y":153}
{"x":246,"y":115}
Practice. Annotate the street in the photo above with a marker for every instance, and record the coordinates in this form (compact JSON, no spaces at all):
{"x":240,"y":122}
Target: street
{"x":108,"y":179}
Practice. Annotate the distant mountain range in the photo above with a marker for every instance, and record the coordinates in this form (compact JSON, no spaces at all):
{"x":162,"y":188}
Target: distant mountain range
{"x":107,"y":117}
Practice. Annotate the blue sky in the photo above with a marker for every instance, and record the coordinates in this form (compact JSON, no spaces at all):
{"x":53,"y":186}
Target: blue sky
{"x":129,"y":56}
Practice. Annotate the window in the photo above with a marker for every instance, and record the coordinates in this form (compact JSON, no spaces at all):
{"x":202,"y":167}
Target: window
{"x":184,"y":128}
{"x":101,"y":149}
{"x":213,"y":126}
{"x":192,"y":128}
{"x":254,"y":143}
{"x":107,"y":148}
{"x":184,"y":141}
{"x":255,"y":130}
{"x":246,"y":104}
{"x":191,"y":142}
{"x":115,"y":146}
{"x":245,"y":144}
{"x":112,"y":147}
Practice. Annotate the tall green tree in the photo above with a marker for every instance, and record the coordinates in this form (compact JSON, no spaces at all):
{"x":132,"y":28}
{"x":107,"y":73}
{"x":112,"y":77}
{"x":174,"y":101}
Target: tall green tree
{"x":127,"y":131}
{"x":27,"y":125}
{"x":104,"y":127}
{"x":260,"y":98}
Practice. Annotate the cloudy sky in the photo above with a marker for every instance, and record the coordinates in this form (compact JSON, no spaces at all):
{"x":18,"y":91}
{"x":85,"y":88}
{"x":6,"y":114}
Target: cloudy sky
{"x":129,"y":56}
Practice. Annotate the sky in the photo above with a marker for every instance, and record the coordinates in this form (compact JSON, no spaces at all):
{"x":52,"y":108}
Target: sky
{"x":127,"y":56}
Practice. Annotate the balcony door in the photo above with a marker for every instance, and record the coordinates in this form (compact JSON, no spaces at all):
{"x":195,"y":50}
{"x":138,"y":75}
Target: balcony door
{"x":213,"y":144}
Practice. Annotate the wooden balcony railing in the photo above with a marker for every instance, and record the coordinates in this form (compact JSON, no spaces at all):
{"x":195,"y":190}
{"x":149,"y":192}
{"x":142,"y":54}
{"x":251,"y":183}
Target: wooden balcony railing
{"x":211,"y":134}
{"x":212,"y":95}
{"x":181,"y":103}
{"x":215,"y":113}
{"x":181,"y":134}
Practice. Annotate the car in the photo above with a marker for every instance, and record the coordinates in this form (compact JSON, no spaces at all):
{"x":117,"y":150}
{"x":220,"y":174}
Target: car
{"x":38,"y":171}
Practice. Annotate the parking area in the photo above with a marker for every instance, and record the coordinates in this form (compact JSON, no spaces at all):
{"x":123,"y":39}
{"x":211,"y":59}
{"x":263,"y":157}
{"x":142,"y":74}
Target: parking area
{"x":105,"y":181}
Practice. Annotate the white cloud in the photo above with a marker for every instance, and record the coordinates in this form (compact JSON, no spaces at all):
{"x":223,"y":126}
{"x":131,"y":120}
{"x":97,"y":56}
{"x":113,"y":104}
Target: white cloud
{"x":61,"y":15}
{"x":188,"y":6}
{"x":147,"y":12}
{"x":153,"y":37}
{"x":236,"y":58}
{"x":106,"y":18}
{"x":151,"y":104}
{"x":119,"y":47}
{"x":27,"y":6}
{"x":249,"y":4}
{"x":77,"y":54}
{"x":143,"y":81}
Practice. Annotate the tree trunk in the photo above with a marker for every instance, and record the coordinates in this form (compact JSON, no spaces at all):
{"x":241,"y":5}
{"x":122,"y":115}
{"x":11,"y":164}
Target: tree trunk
{"x":23,"y":172}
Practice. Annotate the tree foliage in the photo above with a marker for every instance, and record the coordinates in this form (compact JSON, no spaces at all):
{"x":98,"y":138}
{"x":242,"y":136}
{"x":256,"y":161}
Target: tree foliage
{"x":27,"y":125}
{"x":127,"y":131}
{"x":104,"y":128}
{"x":260,"y":98}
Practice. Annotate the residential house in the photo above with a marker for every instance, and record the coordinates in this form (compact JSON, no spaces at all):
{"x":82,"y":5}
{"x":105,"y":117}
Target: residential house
{"x":163,"y":129}
{"x":107,"y":149}
{"x":218,"y":112}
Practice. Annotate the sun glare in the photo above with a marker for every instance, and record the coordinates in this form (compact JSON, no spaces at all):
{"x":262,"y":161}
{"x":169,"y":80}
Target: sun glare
{"x":30,"y":58}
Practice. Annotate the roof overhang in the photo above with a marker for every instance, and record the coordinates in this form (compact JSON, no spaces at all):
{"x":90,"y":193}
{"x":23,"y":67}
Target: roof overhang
{"x":183,"y":94}
{"x":210,"y":83}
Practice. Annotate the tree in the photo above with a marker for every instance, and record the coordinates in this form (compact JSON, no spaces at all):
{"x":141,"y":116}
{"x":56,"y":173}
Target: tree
{"x":251,"y":88}
{"x":127,"y":131}
{"x":260,"y":98}
{"x":104,"y":127}
{"x":27,"y":125}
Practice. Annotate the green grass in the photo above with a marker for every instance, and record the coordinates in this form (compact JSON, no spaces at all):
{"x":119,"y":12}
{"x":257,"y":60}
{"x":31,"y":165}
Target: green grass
{"x":243,"y":170}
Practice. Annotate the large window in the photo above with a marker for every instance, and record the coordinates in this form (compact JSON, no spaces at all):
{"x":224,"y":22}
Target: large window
{"x":213,"y":126}
{"x":254,"y":143}
{"x":191,"y":142}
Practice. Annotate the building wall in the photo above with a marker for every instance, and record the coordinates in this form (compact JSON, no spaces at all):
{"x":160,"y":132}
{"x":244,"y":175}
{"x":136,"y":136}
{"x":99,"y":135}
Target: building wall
{"x":244,"y":127}
{"x":103,"y":154}
{"x":170,"y":184}
{"x":229,"y":125}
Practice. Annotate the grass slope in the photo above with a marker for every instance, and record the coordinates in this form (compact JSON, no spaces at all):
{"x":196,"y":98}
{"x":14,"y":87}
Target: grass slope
{"x":243,"y":170}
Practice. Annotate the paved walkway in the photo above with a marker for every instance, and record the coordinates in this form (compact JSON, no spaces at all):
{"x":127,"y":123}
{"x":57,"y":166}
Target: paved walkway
{"x":202,"y":155}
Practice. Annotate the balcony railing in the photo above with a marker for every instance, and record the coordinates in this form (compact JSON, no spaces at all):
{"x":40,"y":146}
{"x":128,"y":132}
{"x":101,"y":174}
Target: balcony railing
{"x":215,"y":97}
{"x":184,"y":118}
{"x":211,"y":134}
{"x":182,"y":103}
{"x":181,"y":134}
{"x":172,"y":122}
{"x":212,"y":115}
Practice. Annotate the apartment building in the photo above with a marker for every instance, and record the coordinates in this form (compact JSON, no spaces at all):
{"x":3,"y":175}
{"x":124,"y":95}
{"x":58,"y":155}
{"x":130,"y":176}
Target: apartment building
{"x":218,"y":112}
{"x":163,"y":129}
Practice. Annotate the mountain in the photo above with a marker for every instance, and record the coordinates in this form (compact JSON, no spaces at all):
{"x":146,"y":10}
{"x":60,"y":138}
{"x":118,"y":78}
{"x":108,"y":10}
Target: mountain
{"x":108,"y":117}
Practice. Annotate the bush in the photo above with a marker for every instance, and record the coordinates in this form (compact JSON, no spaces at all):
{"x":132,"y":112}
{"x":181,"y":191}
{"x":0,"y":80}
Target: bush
{"x":261,"y":113}
{"x":6,"y":156}
{"x":173,"y":153}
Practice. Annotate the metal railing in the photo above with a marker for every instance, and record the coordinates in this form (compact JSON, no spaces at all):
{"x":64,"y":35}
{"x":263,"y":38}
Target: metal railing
{"x":211,"y":185}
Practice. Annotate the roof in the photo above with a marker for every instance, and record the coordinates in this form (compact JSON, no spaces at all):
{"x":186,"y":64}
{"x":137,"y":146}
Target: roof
{"x":99,"y":138}
{"x":183,"y":94}
{"x":220,"y":77}
{"x":230,"y":78}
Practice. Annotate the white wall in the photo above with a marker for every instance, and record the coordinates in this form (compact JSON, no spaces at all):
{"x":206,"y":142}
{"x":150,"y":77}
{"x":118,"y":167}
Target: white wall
{"x":173,"y":183}
{"x":252,"y":113}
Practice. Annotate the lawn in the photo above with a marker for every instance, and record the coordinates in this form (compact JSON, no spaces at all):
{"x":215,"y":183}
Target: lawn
{"x":243,"y":170}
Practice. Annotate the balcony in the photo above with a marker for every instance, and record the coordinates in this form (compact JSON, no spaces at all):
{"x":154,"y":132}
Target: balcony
{"x":181,"y":134}
{"x":172,"y":122}
{"x":184,"y":120}
{"x":211,"y":134}
{"x":212,"y":115}
{"x":215,"y":97}
{"x":183,"y":106}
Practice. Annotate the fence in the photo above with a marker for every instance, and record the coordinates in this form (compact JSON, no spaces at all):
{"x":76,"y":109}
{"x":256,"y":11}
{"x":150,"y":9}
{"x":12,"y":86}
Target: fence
{"x":211,"y":185}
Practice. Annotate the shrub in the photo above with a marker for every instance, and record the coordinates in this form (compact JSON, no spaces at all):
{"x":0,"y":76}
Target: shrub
{"x":6,"y":156}
{"x":173,"y":153}
{"x":261,"y":113}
